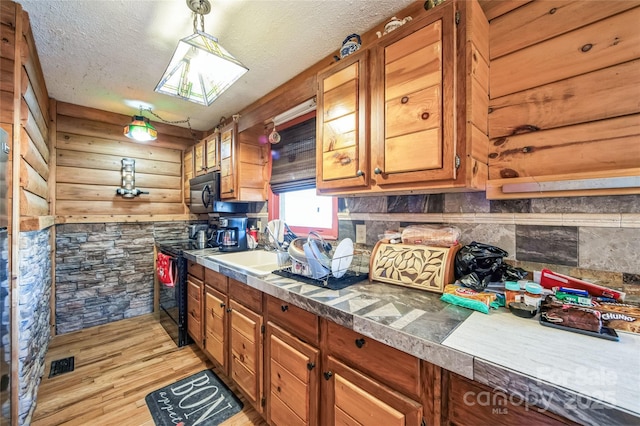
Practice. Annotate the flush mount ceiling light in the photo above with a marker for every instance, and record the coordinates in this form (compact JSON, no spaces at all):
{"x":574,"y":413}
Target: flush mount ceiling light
{"x":200,"y":69}
{"x":140,"y":129}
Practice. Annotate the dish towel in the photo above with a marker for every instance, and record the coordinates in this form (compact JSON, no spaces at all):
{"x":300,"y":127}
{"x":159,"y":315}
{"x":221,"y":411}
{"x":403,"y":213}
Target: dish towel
{"x":164,"y":267}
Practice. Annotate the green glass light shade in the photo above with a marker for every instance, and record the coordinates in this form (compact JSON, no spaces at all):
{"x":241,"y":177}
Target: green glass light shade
{"x":140,"y":129}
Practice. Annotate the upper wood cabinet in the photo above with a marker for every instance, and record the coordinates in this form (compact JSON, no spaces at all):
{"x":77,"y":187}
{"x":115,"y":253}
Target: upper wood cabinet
{"x":243,"y":162}
{"x":228,"y":166}
{"x":427,"y":118}
{"x":205,"y":155}
{"x":187,"y":161}
{"x":342,"y":125}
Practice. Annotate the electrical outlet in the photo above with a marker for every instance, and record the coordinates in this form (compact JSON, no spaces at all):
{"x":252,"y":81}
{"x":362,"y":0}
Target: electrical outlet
{"x":361,"y":234}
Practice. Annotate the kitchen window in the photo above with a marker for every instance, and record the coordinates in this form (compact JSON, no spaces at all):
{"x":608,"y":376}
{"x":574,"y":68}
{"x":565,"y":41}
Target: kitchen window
{"x":304,"y":211}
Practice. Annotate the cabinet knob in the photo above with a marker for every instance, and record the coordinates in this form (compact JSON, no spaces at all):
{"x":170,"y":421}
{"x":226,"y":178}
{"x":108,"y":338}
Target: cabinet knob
{"x":228,"y":309}
{"x":425,"y":115}
{"x":360,"y":343}
{"x":404,"y":99}
{"x":222,"y":305}
{"x":327,"y":375}
{"x":377,"y":171}
{"x":231,"y":190}
{"x":359,"y":173}
{"x":284,"y":308}
{"x":310,"y":365}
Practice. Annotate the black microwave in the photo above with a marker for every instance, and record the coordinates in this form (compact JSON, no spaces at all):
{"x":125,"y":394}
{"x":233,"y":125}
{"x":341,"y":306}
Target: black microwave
{"x":205,"y":192}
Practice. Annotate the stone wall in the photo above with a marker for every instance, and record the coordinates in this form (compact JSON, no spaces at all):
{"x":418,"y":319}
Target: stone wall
{"x":105,"y":271}
{"x":34,"y":316}
{"x":596,"y":238}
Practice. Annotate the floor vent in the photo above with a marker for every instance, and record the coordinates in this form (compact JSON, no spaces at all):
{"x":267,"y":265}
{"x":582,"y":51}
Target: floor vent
{"x":60,"y":366}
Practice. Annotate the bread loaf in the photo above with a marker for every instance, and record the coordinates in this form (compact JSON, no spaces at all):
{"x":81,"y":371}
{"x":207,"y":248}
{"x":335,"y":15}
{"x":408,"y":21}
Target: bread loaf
{"x":431,"y":235}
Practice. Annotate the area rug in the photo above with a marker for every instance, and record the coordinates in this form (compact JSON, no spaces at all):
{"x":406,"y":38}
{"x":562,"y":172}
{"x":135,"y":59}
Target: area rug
{"x":202,"y":399}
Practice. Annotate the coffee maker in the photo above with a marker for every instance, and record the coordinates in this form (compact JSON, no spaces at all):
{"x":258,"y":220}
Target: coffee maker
{"x":232,"y":233}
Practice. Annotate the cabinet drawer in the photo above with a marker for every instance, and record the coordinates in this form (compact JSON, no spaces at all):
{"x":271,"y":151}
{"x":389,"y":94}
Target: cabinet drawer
{"x":301,"y":323}
{"x":194,"y":289}
{"x":196,"y":270}
{"x":248,"y":296}
{"x":396,"y":369}
{"x":216,"y":280}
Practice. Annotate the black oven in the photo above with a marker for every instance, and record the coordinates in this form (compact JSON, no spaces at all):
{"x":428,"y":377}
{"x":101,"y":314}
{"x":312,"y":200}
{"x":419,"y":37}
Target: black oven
{"x":173,"y":297}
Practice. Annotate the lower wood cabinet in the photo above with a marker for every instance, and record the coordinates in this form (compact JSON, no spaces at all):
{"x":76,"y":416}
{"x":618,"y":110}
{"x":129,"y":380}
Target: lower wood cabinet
{"x":216,"y":327}
{"x":351,"y":398}
{"x":195,"y":288}
{"x":470,"y":403}
{"x":301,"y":370}
{"x":292,"y":374}
{"x":245,"y":341}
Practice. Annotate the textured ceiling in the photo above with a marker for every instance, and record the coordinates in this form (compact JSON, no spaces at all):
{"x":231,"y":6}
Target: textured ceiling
{"x":110,"y":54}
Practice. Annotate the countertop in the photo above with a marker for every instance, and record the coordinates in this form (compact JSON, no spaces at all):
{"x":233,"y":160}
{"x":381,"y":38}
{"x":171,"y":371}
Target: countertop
{"x":582,"y":378}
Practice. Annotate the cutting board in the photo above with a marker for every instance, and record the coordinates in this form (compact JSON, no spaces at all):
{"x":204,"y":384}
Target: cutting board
{"x":412,"y":265}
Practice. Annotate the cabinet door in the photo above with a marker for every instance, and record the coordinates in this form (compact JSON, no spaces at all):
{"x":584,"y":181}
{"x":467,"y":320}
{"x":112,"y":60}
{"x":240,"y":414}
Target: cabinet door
{"x":228,"y":166}
{"x":194,"y":309}
{"x":342,"y":126}
{"x":352,"y":398}
{"x":245,"y":334}
{"x":215,"y":327}
{"x":413,"y":110}
{"x":211,"y":159}
{"x":199,"y":151}
{"x":292,"y":379}
{"x":187,"y":161}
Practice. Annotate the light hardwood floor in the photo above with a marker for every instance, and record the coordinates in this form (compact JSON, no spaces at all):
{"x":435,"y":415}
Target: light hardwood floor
{"x":116,"y":366}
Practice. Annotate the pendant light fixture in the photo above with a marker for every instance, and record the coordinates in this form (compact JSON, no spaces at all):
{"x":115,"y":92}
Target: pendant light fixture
{"x":140,"y":129}
{"x":200,"y":69}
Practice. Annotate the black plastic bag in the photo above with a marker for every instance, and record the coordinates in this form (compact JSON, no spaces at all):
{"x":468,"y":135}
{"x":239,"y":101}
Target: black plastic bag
{"x":478,"y":264}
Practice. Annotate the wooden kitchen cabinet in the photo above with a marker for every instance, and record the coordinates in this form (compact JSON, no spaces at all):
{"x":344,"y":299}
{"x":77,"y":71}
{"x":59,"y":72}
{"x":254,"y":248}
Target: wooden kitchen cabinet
{"x":228,"y":166}
{"x":292,"y":364}
{"x":243,"y":162}
{"x":368,"y":381}
{"x":187,"y":161}
{"x":292,"y":374}
{"x":216,"y":318}
{"x":195,"y":287}
{"x":428,"y":94}
{"x":342,"y":125}
{"x":246,"y":330}
{"x":470,"y":404}
{"x":352,"y":398}
{"x":216,"y":327}
{"x":205,"y":154}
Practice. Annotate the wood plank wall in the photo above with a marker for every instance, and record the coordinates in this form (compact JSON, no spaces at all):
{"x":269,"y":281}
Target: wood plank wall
{"x":564,"y":90}
{"x":24,"y":83}
{"x":89,"y":150}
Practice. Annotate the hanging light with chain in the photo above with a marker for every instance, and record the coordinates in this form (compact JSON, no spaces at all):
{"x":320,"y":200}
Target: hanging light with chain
{"x":200,"y":69}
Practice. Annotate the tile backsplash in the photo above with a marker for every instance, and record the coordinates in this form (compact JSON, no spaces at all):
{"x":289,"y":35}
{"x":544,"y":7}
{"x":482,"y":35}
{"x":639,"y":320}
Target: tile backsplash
{"x":595,"y":238}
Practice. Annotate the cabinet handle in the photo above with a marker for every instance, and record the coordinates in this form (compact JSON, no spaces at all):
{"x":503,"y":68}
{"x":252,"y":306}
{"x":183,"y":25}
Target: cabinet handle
{"x":360,"y":342}
{"x":327,"y":375}
{"x":222,"y":305}
{"x":284,"y":308}
{"x":425,"y":115}
{"x":359,"y":173}
{"x":377,"y":171}
{"x":404,"y":99}
{"x":310,"y":365}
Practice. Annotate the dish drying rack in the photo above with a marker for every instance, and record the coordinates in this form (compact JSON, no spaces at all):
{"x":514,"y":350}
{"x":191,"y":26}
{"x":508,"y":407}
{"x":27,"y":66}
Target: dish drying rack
{"x":357,"y":271}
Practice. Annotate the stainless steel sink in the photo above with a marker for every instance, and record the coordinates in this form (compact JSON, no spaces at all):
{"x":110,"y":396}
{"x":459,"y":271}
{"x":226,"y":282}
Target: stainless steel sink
{"x":256,"y":262}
